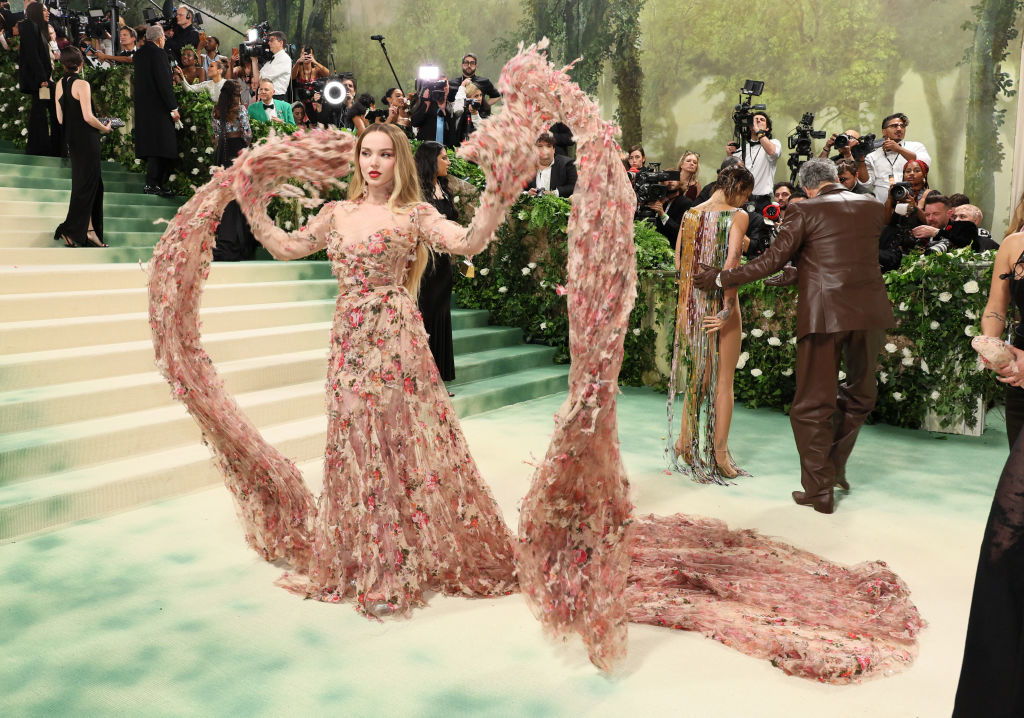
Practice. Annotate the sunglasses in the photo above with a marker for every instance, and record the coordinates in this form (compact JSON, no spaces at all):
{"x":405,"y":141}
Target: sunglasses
{"x":894,"y":124}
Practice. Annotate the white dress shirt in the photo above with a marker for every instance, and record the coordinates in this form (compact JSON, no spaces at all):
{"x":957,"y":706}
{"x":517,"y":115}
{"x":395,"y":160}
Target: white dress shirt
{"x":278,"y":71}
{"x":762,"y":165}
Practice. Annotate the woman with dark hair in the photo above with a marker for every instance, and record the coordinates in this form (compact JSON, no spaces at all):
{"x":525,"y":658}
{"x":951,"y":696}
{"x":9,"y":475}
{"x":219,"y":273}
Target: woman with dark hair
{"x":232,"y":132}
{"x":711,"y":233}
{"x":435,"y":298}
{"x":83,"y":225}
{"x":398,"y":110}
{"x":903,"y":216}
{"x":35,"y":77}
{"x":636,"y":158}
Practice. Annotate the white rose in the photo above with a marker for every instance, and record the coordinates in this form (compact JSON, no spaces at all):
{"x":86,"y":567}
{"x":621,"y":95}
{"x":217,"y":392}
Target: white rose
{"x":522,"y":215}
{"x":787,"y":371}
{"x":908,"y":361}
{"x":192,"y":128}
{"x":543,"y":326}
{"x":755,"y":372}
{"x":456,"y":199}
{"x":195,"y":170}
{"x":6,"y":125}
{"x":209,"y":150}
{"x":890,"y":347}
{"x":138,"y":161}
{"x":971,"y":287}
{"x":935,"y":396}
{"x":743,"y":335}
{"x":532,"y":265}
{"x":525,"y":271}
{"x":774,"y":341}
{"x":742,"y":361}
{"x":970,"y":330}
{"x":897,"y":396}
{"x":970,"y":314}
{"x":903,"y":306}
{"x":502,"y":290}
{"x":484,"y":272}
{"x":924,"y":367}
{"x":636,"y":332}
{"x":792,"y":340}
{"x":194,"y":150}
{"x":288,"y":224}
{"x":945,"y":297}
{"x":24,"y":131}
{"x":543,"y":283}
{"x":883,"y":377}
{"x":906,"y":352}
{"x":934,"y":325}
{"x":756,"y":333}
{"x":842,"y":375}
{"x":768,"y":313}
{"x":171,"y":178}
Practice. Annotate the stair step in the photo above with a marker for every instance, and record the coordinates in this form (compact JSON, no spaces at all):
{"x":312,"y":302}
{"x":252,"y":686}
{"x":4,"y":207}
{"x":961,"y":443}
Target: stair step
{"x":43,"y":239}
{"x":475,"y":366}
{"x":111,"y":209}
{"x":56,"y":305}
{"x":496,"y":392}
{"x":479,"y":339}
{"x":56,"y":253}
{"x":18,"y":158}
{"x":110,"y":198}
{"x":44,"y":181}
{"x":38,"y":223}
{"x":74,"y":278}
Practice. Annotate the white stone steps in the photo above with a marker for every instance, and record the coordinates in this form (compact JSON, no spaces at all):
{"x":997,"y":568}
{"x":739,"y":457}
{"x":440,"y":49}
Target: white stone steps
{"x":110,"y":198}
{"x":58,"y":210}
{"x":59,"y":498}
{"x":42,"y":238}
{"x":27,"y":409}
{"x":54,"y":254}
{"x":55,"y":305}
{"x":103,"y":439}
{"x":43,"y":334}
{"x":71,"y":278}
{"x":108,"y":361}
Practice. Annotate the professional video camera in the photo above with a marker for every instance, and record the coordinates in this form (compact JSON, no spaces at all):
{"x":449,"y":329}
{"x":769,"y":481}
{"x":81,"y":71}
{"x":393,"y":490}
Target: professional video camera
{"x":800,"y":142}
{"x":257,"y":45}
{"x":865,"y":144}
{"x":649,"y":188}
{"x":743,"y":114}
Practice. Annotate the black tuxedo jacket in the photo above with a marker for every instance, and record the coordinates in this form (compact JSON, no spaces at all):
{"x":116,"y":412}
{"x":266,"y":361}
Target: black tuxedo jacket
{"x":563,"y":176}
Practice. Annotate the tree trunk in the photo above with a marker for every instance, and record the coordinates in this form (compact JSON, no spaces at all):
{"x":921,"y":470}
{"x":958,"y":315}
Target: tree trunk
{"x":948,"y":123}
{"x":992,"y":32}
{"x":298,"y":36}
{"x":629,"y":84}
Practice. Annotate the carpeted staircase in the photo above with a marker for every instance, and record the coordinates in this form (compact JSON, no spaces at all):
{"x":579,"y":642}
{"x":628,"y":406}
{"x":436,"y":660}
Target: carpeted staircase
{"x":87,"y":426}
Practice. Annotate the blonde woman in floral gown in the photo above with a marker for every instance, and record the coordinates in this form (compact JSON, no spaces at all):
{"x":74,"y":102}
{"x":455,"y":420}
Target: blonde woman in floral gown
{"x":703,"y":368}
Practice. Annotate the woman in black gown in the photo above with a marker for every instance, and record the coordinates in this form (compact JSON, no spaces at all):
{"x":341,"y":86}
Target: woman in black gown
{"x":435,"y":298}
{"x":232,"y":133}
{"x":83,"y":225}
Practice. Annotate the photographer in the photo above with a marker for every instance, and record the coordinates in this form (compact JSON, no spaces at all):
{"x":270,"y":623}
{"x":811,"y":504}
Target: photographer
{"x":432,"y":114}
{"x":945,"y":229}
{"x":364,"y":112}
{"x":127,"y":39}
{"x":555,"y":174}
{"x":763,"y":154}
{"x":885,"y":165}
{"x":669,"y":211}
{"x":489,"y":92}
{"x":904,"y":210}
{"x":35,"y":73}
{"x":398,"y":110}
{"x":182,"y":33}
{"x":849,"y":180}
{"x":306,"y":69}
{"x":469,"y":102}
{"x":849,"y":145}
{"x":156,"y":111}
{"x":279,"y":69}
{"x":981,"y":238}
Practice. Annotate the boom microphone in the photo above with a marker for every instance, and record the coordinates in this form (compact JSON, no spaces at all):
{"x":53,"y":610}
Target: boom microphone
{"x":378,"y":38}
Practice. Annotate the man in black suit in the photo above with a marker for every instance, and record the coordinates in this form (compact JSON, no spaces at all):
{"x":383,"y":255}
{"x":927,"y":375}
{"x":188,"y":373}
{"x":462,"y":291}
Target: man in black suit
{"x":156,"y":111}
{"x":555,"y":173}
{"x":432,"y":116}
{"x":35,"y":70}
{"x":668,"y":212}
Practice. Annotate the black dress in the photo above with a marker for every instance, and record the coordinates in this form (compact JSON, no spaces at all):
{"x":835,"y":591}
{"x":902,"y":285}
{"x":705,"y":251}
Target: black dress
{"x":235,"y":240}
{"x":1015,"y":394}
{"x":35,"y":66}
{"x":83,"y":141}
{"x":435,"y":298}
{"x":991,"y":683}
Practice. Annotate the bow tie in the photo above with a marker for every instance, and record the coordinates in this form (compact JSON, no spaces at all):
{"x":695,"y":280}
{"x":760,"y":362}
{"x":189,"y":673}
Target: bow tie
{"x":269,"y":107}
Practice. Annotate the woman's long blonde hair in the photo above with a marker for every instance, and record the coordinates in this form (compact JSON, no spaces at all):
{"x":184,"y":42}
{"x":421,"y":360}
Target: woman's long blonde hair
{"x":404,"y":196}
{"x":696,"y":172}
{"x":1017,"y":219}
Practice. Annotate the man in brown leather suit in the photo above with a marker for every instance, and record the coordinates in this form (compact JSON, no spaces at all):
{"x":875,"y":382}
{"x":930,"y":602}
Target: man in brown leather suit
{"x":842,"y":313}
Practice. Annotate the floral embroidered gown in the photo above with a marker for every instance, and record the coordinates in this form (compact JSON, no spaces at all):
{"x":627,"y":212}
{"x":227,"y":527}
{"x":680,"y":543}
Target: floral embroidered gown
{"x":403,"y":507}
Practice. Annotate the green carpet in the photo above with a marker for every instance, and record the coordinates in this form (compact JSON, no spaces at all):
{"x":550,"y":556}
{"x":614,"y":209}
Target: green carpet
{"x":163,"y":611}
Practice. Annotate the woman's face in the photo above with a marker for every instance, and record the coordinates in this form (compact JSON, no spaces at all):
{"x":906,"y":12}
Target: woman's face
{"x":442,"y":164}
{"x":188,"y":58}
{"x":299,"y":113}
{"x":215,"y":71}
{"x":636,"y":158}
{"x":689,"y":164}
{"x":913,"y":174}
{"x":377,"y":159}
{"x":396,"y":98}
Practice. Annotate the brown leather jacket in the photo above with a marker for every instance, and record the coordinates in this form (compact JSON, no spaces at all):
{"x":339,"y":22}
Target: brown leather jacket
{"x":833,"y":240}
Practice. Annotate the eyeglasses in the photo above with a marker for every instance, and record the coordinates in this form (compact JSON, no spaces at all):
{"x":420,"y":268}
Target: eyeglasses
{"x":897,"y":125}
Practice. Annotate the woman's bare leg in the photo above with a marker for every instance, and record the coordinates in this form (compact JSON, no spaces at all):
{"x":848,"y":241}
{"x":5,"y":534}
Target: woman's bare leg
{"x":728,"y":355}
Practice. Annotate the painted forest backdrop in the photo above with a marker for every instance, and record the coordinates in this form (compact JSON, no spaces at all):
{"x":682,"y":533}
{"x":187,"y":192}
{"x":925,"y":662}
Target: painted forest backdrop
{"x":669,"y":70}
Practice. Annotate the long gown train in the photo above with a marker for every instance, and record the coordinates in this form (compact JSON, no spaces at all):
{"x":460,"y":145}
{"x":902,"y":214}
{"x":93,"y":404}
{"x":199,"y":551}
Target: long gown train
{"x":404,"y":509}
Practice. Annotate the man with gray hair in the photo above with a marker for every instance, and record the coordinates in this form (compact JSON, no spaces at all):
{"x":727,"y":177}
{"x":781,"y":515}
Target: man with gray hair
{"x":156,"y":111}
{"x":842,"y":312}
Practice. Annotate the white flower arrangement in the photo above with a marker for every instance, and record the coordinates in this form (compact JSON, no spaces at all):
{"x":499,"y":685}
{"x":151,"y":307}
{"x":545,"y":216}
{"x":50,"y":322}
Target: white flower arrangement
{"x":192,"y":128}
{"x":209,"y":150}
{"x":903,"y":306}
{"x":890,"y":347}
{"x":907,"y":352}
{"x":636,"y":331}
{"x":742,"y":360}
{"x":24,"y":131}
{"x":971,"y":287}
{"x":502,"y":290}
{"x":768,"y":313}
{"x":933,"y":325}
{"x":883,"y":377}
{"x":774,"y":341}
{"x":788,"y":371}
{"x":897,"y":396}
{"x":543,"y":326}
{"x":945,"y":297}
{"x":970,"y":314}
{"x":172,"y":177}
{"x":842,"y":375}
{"x":532,"y":265}
{"x":484,"y":272}
{"x":755,"y":372}
{"x":792,"y":340}
{"x":756,"y":333}
{"x":194,"y":150}
{"x":908,"y":361}
{"x":525,"y":271}
{"x":138,"y":161}
{"x":970,"y":331}
{"x":743,"y":335}
{"x":935,"y":396}
{"x":195,"y":170}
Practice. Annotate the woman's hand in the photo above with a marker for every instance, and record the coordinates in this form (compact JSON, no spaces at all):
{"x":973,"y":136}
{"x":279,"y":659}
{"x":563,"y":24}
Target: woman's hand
{"x":712,"y":323}
{"x":105,"y":128}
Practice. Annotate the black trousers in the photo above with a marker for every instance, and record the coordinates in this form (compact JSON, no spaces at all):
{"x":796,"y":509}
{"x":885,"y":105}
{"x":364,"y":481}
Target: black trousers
{"x":157,"y":170}
{"x":44,"y":133}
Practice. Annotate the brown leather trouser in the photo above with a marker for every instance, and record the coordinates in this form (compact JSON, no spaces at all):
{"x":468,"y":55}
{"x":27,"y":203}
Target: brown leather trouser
{"x":826,"y":414}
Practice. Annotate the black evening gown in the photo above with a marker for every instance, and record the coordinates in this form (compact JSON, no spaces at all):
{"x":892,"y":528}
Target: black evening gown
{"x":83,"y":141}
{"x":235,"y":240}
{"x":435,"y":298}
{"x":992,"y":674}
{"x":1015,"y":394}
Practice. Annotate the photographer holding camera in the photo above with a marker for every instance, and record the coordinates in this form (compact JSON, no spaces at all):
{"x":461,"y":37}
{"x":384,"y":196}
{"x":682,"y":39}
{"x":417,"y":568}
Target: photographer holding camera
{"x":555,"y":174}
{"x":763,"y":154}
{"x":432,"y":114}
{"x":467,"y":108}
{"x":669,"y":211}
{"x":489,"y":92}
{"x":181,"y":33}
{"x":885,"y":164}
{"x":279,"y":68}
{"x":849,"y":179}
{"x":305,"y":73}
{"x":949,"y":228}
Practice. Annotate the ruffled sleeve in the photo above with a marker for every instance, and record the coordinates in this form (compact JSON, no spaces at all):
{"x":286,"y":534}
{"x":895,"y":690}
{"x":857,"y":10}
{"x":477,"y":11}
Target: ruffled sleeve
{"x":440,"y":233}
